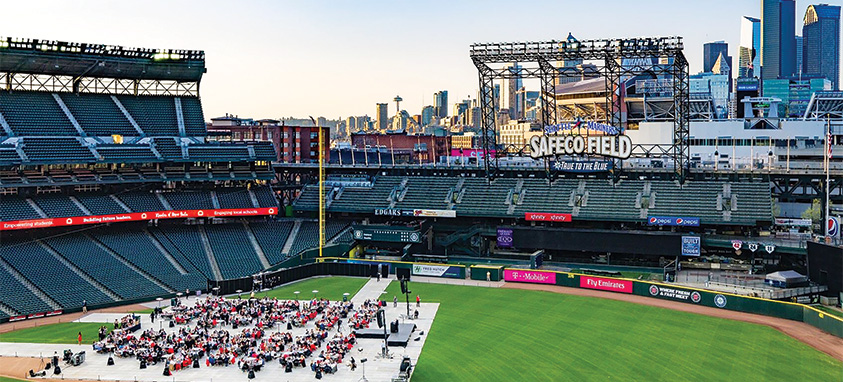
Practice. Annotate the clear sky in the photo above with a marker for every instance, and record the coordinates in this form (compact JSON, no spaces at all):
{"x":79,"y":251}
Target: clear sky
{"x":270,"y":59}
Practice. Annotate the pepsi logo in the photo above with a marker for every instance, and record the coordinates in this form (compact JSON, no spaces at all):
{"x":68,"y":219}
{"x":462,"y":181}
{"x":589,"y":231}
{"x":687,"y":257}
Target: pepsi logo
{"x":679,"y":220}
{"x":833,"y":226}
{"x":652,"y":220}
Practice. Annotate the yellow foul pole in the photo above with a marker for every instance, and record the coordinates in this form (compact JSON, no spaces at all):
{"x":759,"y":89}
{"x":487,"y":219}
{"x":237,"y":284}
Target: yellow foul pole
{"x":321,"y":190}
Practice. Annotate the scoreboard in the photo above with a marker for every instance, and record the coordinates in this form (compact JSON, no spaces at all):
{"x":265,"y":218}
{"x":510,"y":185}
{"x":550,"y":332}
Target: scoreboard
{"x":386,"y":234}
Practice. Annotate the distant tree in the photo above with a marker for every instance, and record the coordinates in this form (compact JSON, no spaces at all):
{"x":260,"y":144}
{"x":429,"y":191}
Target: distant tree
{"x":815,"y":213}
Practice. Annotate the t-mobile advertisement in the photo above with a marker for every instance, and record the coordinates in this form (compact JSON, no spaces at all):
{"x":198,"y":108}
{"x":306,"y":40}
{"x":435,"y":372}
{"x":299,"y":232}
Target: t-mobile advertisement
{"x":611,"y":285}
{"x":520,"y":276}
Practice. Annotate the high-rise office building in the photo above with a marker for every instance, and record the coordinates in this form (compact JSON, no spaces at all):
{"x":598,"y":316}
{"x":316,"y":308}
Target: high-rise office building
{"x":749,"y":53}
{"x":426,"y":115}
{"x":440,"y":104}
{"x":821,"y":42}
{"x":382,"y":114}
{"x":509,"y":89}
{"x":778,"y":38}
{"x":350,"y":126}
{"x":799,"y":50}
{"x":712,"y":52}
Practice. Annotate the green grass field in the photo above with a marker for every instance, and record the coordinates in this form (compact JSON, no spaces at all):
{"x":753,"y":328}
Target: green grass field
{"x":331,"y":288}
{"x":492,"y":334}
{"x":63,"y":333}
{"x":7,"y":379}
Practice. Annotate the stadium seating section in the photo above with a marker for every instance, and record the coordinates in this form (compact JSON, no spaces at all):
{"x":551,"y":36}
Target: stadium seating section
{"x":130,"y":261}
{"x":98,"y":115}
{"x":585,"y":199}
{"x":63,"y":205}
{"x":34,"y":116}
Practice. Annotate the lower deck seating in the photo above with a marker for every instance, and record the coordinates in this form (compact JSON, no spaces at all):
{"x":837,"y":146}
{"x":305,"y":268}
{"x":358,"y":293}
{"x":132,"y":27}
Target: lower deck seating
{"x":235,"y":255}
{"x":103,"y":267}
{"x":126,"y":261}
{"x":16,"y":296}
{"x":137,"y":247}
{"x":271,"y":236}
{"x":61,"y":283}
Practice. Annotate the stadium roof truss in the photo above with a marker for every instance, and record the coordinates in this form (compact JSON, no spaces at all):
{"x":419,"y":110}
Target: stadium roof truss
{"x":825,"y":105}
{"x":56,"y":66}
{"x":615,"y":60}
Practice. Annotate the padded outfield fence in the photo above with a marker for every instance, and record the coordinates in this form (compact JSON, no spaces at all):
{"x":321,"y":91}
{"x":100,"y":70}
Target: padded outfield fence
{"x":781,"y":309}
{"x":721,"y":300}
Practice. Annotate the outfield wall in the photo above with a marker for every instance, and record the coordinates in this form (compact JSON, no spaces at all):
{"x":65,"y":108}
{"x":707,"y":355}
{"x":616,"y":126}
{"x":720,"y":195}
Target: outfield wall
{"x":781,"y":309}
{"x":788,"y":310}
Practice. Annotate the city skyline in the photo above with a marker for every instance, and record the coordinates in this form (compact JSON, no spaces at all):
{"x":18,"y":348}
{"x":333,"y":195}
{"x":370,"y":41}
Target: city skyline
{"x":270,"y":60}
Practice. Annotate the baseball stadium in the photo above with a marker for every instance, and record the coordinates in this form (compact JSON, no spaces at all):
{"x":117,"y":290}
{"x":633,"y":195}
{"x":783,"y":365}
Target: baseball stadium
{"x":139,"y":244}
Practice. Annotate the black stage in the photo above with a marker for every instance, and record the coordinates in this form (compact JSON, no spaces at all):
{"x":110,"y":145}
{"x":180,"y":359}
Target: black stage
{"x":401,"y":338}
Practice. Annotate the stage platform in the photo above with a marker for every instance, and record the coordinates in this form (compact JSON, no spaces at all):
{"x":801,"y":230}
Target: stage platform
{"x":405,"y":331}
{"x":401,"y":338}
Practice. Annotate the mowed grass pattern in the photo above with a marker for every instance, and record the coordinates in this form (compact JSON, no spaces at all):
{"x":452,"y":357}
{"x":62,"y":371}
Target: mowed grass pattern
{"x":62,"y":333}
{"x":492,"y":334}
{"x":331,"y":288}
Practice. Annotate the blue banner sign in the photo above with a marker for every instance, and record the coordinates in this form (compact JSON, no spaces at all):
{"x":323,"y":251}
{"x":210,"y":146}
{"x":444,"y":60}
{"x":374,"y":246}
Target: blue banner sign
{"x":582,"y":166}
{"x":674,"y":221}
{"x":690,"y":246}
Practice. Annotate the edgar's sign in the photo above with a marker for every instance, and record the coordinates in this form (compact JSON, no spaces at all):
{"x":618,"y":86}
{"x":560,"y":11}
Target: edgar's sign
{"x":615,"y":146}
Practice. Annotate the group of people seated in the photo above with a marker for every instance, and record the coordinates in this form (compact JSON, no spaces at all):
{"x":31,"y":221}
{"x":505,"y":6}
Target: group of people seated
{"x":128,"y":322}
{"x":213,"y":335}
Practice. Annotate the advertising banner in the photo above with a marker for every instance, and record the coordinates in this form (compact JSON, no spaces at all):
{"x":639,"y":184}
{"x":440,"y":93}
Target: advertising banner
{"x":676,"y":294}
{"x":435,"y":213}
{"x":437,"y":270}
{"x":582,"y":166}
{"x":611,"y":285}
{"x":690,"y":245}
{"x":674,"y":221}
{"x":504,"y":237}
{"x":471,"y":153}
{"x":135,"y":216}
{"x":535,"y":277}
{"x":793,"y":222}
{"x":547,"y":217}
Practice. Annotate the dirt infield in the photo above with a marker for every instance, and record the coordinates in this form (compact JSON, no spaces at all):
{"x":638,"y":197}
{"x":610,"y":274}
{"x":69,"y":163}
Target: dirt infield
{"x":808,"y":334}
{"x":18,"y":367}
{"x":11,"y":326}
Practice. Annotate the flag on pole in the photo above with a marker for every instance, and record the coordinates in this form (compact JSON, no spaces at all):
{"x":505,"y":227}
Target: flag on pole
{"x":828,"y":139}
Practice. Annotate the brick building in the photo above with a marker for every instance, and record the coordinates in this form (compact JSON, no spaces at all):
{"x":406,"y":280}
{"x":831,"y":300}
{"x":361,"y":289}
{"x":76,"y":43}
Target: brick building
{"x":425,"y":148}
{"x":296,"y":144}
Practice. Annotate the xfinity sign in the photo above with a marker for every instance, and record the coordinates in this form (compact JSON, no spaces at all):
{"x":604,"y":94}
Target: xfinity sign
{"x":614,"y":146}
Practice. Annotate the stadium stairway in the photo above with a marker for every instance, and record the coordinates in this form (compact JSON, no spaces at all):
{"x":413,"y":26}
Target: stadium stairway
{"x":292,"y":238}
{"x":206,"y":245}
{"x":254,"y":241}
